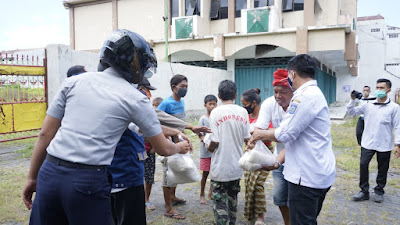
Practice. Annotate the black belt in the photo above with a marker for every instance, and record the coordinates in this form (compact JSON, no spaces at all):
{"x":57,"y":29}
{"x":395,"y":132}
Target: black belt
{"x":65,"y":163}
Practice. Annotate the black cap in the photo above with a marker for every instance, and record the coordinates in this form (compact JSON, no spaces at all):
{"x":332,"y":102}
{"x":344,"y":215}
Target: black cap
{"x":146,"y":83}
{"x":75,"y":70}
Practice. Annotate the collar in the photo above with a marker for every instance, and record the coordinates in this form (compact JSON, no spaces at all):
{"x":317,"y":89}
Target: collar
{"x":384,"y":103}
{"x":305,"y":85}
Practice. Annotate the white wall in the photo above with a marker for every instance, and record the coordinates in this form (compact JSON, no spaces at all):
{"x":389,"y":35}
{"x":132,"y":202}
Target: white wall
{"x":201,"y":82}
{"x":376,"y":49}
{"x":59,"y":59}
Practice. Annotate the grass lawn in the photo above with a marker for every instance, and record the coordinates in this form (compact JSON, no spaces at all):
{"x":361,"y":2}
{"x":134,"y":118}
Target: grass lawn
{"x":345,"y":147}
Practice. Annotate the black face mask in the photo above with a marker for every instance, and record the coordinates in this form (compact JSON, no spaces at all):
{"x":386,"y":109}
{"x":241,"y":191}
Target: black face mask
{"x":249,"y":109}
{"x":182,"y":92}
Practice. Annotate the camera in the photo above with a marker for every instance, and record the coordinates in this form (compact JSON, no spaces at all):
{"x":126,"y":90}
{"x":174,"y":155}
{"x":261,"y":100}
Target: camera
{"x":356,"y":94}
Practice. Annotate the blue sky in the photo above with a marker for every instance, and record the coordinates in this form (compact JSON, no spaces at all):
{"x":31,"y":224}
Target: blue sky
{"x":37,"y":23}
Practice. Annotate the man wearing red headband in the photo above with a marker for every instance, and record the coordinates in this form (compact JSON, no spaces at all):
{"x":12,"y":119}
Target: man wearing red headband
{"x":273,"y":109}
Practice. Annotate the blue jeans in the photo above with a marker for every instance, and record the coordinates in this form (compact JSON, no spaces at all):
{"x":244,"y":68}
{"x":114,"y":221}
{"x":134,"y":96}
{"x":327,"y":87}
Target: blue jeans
{"x":66,"y":195}
{"x":280,"y":187}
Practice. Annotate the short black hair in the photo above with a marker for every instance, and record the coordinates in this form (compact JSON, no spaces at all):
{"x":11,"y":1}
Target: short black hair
{"x":252,"y":95}
{"x":366,"y":86}
{"x":304,"y":65}
{"x":210,"y":98}
{"x":227,"y":90}
{"x":175,"y":80}
{"x":158,"y":100}
{"x":383,"y":80}
{"x":75,"y":70}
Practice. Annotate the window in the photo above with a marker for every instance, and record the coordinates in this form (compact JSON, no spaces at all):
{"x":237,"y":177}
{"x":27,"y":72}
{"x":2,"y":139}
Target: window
{"x":393,"y":35}
{"x":375,"y":29}
{"x":192,"y":7}
{"x":174,"y":8}
{"x":219,"y":9}
{"x":392,"y":28}
{"x":239,"y":5}
{"x":263,"y":3}
{"x":292,"y":5}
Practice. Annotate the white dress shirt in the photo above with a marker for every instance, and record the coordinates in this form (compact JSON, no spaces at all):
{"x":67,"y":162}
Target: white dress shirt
{"x":271,"y":111}
{"x":379,"y":122}
{"x":306,"y":132}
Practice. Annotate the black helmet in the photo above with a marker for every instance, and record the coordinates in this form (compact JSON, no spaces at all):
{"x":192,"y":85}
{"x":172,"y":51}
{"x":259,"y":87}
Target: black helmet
{"x":129,"y":53}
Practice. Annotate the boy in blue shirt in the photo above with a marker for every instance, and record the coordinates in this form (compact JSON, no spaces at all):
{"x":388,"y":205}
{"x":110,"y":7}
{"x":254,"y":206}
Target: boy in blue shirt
{"x":175,"y":106}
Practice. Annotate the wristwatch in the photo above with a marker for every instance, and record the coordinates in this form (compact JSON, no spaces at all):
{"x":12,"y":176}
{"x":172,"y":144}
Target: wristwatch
{"x":279,"y":164}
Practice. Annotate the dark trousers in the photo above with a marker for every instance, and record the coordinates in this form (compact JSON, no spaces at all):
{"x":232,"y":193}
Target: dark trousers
{"x":71,"y":196}
{"x":383,"y":159}
{"x":128,"y":206}
{"x":305,"y":203}
{"x":360,"y":129}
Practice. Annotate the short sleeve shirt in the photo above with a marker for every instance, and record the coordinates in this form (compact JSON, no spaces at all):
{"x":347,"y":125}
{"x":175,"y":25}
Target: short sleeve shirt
{"x":230,"y":126}
{"x":96,"y":108}
{"x":173,"y":107}
{"x":204,"y":153}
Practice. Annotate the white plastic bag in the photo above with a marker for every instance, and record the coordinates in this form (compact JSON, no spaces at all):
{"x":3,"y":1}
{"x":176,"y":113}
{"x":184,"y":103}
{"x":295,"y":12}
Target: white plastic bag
{"x":256,"y":158}
{"x":182,"y":170}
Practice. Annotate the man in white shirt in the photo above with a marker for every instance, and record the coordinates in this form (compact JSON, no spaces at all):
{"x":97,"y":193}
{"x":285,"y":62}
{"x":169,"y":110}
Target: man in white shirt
{"x":381,"y":117}
{"x":360,"y":123}
{"x":274,"y":109}
{"x":306,"y":132}
{"x":230,"y":129}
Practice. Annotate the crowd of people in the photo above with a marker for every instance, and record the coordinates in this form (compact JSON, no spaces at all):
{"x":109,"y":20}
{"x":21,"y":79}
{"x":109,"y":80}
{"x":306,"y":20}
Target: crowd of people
{"x":95,"y":157}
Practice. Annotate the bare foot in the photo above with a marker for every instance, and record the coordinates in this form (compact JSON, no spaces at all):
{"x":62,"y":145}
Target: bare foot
{"x":203,"y":200}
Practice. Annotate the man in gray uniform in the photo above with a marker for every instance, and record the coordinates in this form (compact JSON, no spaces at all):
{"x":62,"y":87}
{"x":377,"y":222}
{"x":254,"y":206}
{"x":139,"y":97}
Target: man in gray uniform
{"x":80,"y":132}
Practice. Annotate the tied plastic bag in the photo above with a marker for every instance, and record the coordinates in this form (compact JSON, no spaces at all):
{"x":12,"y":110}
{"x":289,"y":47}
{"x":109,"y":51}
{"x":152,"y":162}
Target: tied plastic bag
{"x":182,"y":170}
{"x":254,"y":159}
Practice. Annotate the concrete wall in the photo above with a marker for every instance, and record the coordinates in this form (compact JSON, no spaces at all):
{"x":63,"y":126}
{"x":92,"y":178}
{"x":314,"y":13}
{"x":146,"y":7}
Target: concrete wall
{"x":201,"y":82}
{"x":59,"y":59}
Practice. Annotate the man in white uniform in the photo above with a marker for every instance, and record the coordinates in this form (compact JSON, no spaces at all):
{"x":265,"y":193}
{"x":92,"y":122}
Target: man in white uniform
{"x":381,"y":117}
{"x":306,"y":132}
{"x":82,"y":127}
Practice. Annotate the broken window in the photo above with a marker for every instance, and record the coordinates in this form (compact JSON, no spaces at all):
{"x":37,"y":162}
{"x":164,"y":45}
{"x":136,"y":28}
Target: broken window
{"x":192,"y":7}
{"x":239,"y":5}
{"x":263,"y":3}
{"x":292,"y":5}
{"x":219,"y":9}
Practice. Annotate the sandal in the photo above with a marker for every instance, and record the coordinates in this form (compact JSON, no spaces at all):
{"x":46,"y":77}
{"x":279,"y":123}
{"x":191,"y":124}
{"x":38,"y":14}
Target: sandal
{"x":178,"y":202}
{"x":175,"y":216}
{"x":150,"y":206}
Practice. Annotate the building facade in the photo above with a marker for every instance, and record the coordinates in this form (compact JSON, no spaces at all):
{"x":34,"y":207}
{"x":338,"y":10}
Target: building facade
{"x":379,"y":46}
{"x":250,"y":38}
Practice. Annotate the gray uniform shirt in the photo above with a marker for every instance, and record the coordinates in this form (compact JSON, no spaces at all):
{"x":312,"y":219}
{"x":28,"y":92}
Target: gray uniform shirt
{"x":96,"y":108}
{"x":204,"y":153}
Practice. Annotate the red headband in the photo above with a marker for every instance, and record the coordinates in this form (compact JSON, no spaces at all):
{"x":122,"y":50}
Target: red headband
{"x":280,"y":78}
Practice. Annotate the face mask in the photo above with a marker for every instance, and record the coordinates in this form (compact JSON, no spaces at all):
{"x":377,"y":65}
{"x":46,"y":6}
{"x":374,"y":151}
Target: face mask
{"x":249,"y":109}
{"x":380,"y":93}
{"x":182,"y":92}
{"x":290,"y":83}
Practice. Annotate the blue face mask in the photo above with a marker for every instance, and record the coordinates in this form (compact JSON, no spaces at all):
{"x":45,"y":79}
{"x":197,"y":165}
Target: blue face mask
{"x":380,"y":93}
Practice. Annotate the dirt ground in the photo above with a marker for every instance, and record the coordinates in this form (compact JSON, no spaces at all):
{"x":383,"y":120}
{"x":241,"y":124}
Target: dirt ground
{"x":337,"y":209}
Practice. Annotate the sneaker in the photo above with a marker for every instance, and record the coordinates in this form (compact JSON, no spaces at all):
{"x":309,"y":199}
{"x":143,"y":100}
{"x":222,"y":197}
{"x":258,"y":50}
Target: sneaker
{"x":378,"y":198}
{"x":361,"y":196}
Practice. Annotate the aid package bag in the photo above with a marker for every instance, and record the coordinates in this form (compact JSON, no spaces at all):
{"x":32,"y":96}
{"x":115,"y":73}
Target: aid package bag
{"x":182,"y":170}
{"x":259,"y":156}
